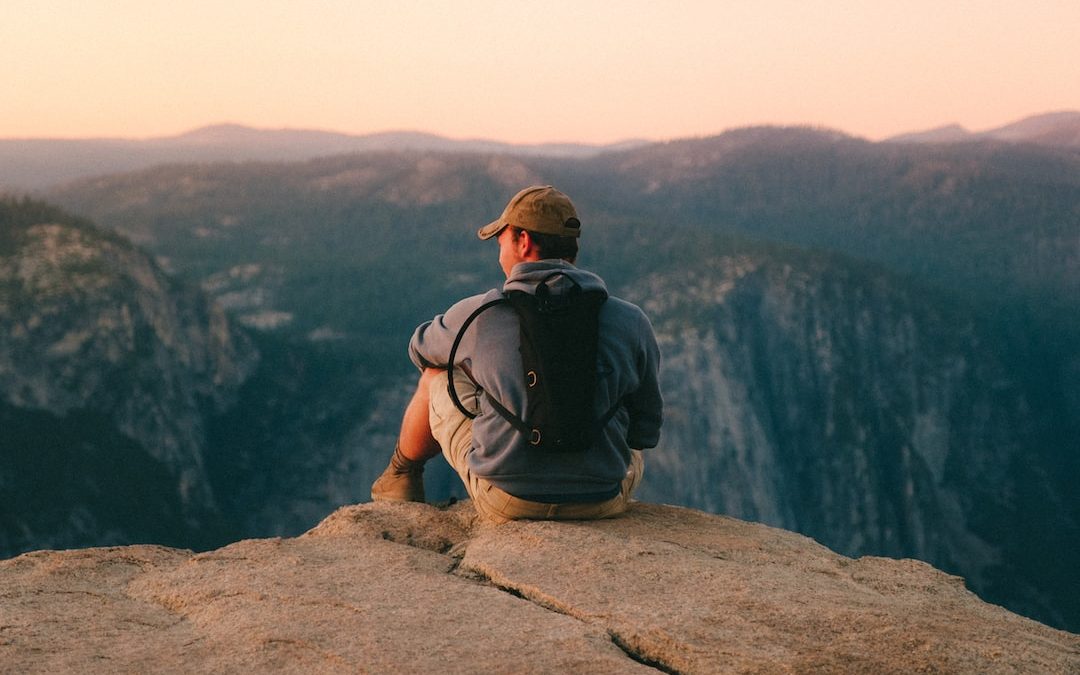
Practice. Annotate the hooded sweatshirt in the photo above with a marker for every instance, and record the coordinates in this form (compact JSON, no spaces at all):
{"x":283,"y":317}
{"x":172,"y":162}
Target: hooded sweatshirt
{"x":627,"y":370}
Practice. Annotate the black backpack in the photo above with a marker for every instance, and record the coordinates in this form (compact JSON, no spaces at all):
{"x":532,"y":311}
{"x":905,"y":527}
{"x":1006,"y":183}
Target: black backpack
{"x":559,"y":336}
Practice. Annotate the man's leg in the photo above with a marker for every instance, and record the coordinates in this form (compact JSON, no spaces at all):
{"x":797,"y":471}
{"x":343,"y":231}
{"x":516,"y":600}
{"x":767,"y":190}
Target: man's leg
{"x":403,"y":479}
{"x":415,"y":440}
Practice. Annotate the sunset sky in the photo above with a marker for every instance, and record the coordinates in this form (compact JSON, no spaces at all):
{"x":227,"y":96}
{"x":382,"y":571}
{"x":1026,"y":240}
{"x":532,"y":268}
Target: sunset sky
{"x":579,"y":70}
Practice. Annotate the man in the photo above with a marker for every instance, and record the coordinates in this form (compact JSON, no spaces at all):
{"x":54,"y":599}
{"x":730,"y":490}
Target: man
{"x":506,"y":477}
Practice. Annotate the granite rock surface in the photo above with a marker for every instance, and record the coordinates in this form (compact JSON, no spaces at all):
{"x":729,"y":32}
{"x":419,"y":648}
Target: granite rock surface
{"x":414,"y":588}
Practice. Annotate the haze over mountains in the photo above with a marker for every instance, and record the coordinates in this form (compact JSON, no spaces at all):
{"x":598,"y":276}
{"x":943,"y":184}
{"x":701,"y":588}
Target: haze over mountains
{"x":875,"y":344}
{"x":33,"y":164}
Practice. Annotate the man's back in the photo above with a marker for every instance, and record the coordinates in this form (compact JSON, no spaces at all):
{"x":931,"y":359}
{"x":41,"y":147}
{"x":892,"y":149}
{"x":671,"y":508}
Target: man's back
{"x":627,"y":360}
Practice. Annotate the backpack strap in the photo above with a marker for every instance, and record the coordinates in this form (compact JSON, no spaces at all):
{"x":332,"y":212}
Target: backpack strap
{"x":510,"y":417}
{"x":453,"y":352}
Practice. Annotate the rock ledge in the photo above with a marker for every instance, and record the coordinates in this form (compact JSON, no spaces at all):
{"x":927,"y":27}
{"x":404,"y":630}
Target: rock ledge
{"x":412,"y":588}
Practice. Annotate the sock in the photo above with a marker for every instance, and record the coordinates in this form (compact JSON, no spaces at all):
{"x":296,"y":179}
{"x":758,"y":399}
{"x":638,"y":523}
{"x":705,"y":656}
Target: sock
{"x":403,"y":464}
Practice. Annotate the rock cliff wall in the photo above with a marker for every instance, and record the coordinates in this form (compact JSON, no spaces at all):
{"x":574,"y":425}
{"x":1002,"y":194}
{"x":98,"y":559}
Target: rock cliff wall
{"x":831,"y":401}
{"x":105,"y":364}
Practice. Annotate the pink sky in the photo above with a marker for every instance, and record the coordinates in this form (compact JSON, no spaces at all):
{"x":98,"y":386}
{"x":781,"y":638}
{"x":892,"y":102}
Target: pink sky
{"x":590,"y":71}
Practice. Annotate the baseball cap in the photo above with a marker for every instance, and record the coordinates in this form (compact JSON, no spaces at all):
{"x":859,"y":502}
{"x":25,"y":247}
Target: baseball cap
{"x":540,"y":208}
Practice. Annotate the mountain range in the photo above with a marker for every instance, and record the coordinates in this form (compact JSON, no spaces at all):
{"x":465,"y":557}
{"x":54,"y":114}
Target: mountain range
{"x":1056,"y":129}
{"x":875,"y":344}
{"x":36,"y":164}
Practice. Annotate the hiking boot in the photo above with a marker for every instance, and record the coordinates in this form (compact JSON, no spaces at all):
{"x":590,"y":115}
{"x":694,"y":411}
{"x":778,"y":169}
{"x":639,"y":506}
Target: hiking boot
{"x":402,"y":481}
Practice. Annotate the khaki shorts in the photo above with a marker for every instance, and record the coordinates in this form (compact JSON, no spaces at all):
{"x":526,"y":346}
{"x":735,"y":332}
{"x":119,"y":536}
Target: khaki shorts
{"x":453,"y":430}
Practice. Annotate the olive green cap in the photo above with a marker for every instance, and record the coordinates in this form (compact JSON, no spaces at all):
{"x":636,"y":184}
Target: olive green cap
{"x":540,"y":208}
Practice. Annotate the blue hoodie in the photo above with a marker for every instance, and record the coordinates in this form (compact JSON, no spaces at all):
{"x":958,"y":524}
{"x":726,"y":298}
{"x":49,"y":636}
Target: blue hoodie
{"x":627,"y":370}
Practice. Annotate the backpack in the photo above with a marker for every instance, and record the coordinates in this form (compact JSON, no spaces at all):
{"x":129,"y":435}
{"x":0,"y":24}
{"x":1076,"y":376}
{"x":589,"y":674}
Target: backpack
{"x":559,"y":335}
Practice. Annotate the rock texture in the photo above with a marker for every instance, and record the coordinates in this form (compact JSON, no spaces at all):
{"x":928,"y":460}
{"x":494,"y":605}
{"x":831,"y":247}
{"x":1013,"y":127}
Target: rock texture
{"x":411,"y":588}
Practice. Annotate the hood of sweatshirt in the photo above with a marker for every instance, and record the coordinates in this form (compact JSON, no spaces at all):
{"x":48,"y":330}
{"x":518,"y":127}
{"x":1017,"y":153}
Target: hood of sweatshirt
{"x":525,"y":277}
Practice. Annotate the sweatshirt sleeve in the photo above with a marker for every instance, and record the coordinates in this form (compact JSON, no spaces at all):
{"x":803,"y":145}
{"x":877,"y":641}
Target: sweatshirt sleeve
{"x":431,"y":341}
{"x":645,"y":405}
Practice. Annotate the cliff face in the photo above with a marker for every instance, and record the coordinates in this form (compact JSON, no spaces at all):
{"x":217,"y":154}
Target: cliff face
{"x":409,"y":588}
{"x":832,"y":402}
{"x":107,"y":368}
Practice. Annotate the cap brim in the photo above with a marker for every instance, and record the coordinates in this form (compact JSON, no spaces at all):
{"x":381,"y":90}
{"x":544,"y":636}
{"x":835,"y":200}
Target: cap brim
{"x":491,"y":229}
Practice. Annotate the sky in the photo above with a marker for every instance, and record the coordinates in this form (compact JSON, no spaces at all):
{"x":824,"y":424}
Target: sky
{"x":594,"y":71}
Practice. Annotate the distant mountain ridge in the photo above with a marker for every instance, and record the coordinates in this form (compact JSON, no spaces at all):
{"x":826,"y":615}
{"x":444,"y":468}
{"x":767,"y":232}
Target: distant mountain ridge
{"x":38,"y":163}
{"x":272,"y":141}
{"x":1056,"y":129}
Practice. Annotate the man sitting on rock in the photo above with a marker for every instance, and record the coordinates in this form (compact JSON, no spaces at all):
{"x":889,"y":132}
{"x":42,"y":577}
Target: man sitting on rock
{"x":511,"y":465}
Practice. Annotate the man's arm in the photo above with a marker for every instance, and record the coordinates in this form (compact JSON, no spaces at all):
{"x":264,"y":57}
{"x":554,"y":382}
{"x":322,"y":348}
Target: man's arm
{"x":431,"y":341}
{"x":645,"y":405}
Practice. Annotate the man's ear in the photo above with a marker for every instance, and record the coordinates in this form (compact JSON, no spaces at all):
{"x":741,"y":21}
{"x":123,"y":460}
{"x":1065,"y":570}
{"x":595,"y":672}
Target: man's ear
{"x":525,"y":242}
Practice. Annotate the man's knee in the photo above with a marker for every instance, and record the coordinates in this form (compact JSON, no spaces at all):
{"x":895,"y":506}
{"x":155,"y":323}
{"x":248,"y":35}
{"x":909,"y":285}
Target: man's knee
{"x":422,"y":396}
{"x":426,"y":377}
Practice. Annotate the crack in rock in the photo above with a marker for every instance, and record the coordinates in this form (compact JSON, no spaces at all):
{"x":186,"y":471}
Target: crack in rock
{"x":455,"y":551}
{"x":638,"y":656}
{"x":441,"y":545}
{"x":552,"y":605}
